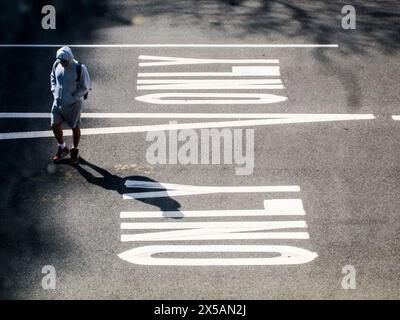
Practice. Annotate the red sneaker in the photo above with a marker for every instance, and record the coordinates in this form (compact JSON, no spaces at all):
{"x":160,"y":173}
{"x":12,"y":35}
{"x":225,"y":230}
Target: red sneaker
{"x":61,"y":153}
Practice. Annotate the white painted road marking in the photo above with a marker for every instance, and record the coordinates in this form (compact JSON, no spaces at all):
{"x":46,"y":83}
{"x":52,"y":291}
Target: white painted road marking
{"x":173,"y":186}
{"x":396,"y":118}
{"x":207,"y":84}
{"x":284,"y":206}
{"x":275,"y":207}
{"x":225,"y":230}
{"x":190,"y":115}
{"x":179,"y":190}
{"x":186,"y":84}
{"x":180,"y":126}
{"x":221,"y":225}
{"x":173,"y":61}
{"x":288,"y":255}
{"x":170,"y":45}
{"x":202,"y":234}
{"x":222,"y":98}
{"x":236,"y":72}
{"x":221,"y":230}
{"x":214,"y":231}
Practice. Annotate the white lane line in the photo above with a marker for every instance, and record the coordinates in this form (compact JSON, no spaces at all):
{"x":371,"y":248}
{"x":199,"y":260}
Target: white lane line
{"x":396,"y":117}
{"x":172,"y":61}
{"x":131,"y":115}
{"x":288,"y":255}
{"x":201,"y":98}
{"x":170,"y":45}
{"x":24,"y":115}
{"x":180,"y":126}
{"x":216,"y":234}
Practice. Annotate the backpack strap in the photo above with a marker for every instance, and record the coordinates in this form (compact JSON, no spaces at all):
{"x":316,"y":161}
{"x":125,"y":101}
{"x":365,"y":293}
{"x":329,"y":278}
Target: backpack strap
{"x":78,"y":72}
{"x":78,"y":78}
{"x":55,"y":67}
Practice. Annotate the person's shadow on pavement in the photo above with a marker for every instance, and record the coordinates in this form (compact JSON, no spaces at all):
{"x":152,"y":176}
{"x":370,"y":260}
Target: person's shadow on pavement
{"x":110,"y":181}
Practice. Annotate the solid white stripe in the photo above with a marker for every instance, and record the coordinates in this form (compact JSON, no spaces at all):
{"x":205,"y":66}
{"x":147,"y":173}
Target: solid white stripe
{"x":210,"y":86}
{"x":222,"y":225}
{"x":170,"y":45}
{"x":173,"y":186}
{"x":396,"y":117}
{"x":199,"y":81}
{"x":271,"y":72}
{"x":206,"y":213}
{"x":284,"y":205}
{"x":236,"y":71}
{"x":189,"y":84}
{"x":182,"y":187}
{"x":174,"y":193}
{"x":26,"y":115}
{"x":170,"y":61}
{"x":160,"y":194}
{"x":167,"y":127}
{"x":182,"y":115}
{"x":189,"y":236}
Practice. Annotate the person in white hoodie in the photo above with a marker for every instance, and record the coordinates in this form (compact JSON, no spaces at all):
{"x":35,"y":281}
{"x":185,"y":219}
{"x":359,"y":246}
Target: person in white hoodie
{"x":70,"y":83}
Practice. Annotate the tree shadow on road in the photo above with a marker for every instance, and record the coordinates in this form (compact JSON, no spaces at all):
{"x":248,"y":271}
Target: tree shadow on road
{"x":25,"y":87}
{"x":116,"y":183}
{"x":284,"y":21}
{"x":302,"y":20}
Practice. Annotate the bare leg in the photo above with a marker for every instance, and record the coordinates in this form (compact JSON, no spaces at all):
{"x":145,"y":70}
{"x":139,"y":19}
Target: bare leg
{"x":58,"y":133}
{"x":76,"y":136}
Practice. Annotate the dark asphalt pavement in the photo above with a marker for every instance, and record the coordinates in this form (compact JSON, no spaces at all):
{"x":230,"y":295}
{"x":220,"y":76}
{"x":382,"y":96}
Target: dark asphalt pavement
{"x":348,"y":171}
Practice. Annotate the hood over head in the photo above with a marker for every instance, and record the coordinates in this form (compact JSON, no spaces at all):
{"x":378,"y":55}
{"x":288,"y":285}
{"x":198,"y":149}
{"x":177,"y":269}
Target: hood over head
{"x":65,"y":53}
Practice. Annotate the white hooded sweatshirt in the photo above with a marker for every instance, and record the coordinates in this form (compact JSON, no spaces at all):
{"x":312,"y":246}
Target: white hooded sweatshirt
{"x":66,"y":90}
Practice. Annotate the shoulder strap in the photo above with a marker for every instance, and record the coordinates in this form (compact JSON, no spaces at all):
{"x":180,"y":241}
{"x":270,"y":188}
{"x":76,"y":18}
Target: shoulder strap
{"x":55,"y":66}
{"x":78,"y":71}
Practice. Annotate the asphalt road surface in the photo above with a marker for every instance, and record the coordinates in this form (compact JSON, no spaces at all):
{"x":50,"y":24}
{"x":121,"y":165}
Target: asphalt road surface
{"x":326,"y":177}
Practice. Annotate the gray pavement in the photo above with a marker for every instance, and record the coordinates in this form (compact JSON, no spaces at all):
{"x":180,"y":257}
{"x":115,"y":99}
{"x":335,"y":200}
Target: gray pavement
{"x":347,"y":171}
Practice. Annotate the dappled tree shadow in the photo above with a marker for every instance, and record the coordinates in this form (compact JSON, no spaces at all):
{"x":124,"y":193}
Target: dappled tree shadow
{"x":303,"y":20}
{"x":24,"y":79}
